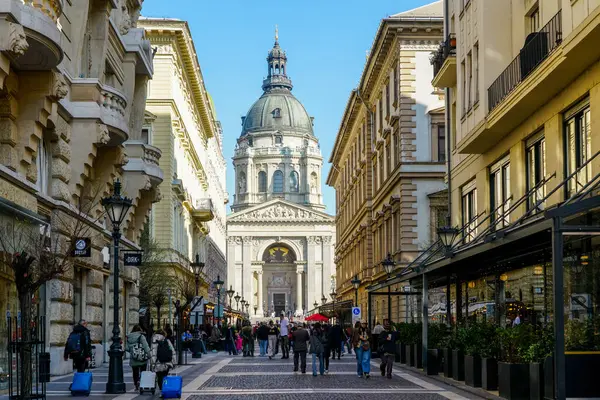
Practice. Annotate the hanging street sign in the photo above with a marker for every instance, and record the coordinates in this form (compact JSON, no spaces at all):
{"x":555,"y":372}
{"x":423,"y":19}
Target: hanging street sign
{"x":83,"y":247}
{"x":132,"y":259}
{"x":356,"y":315}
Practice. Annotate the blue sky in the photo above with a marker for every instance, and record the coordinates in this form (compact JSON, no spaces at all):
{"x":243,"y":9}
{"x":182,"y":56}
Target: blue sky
{"x":325,"y":40}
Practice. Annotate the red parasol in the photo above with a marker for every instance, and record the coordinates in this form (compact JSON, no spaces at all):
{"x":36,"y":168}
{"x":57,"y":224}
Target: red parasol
{"x":317,"y":317}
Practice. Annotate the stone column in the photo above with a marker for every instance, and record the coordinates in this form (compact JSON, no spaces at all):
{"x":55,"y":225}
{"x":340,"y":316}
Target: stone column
{"x":260,"y":311}
{"x":231,"y":278}
{"x":246,"y":268}
{"x":299,"y":289}
{"x":310,"y":271}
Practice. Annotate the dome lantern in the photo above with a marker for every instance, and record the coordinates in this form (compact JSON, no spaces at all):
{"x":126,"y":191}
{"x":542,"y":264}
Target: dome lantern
{"x":277,"y":68}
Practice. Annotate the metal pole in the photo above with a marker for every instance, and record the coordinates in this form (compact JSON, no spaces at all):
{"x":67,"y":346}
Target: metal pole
{"x":170,"y":311}
{"x":559,"y":316}
{"x":197,"y":284}
{"x":369,"y":311}
{"x":355,"y":297}
{"x":425,"y":320}
{"x":448,"y":302}
{"x":115,"y":384}
{"x":389,"y":296}
{"x":218,"y":306}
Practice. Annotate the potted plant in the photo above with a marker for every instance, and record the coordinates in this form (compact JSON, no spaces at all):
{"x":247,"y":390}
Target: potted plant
{"x":582,"y":357}
{"x":416,"y":334}
{"x":436,"y":334}
{"x":401,"y":328}
{"x":536,"y":355}
{"x":513,"y":371}
{"x":448,"y":343}
{"x":458,"y":354}
{"x":412,"y":337}
{"x":489,"y":351}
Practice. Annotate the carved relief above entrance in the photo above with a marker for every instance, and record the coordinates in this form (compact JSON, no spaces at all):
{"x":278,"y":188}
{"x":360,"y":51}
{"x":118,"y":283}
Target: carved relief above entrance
{"x":278,"y":254}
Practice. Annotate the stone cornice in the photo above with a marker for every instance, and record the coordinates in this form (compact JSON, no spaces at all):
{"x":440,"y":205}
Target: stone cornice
{"x":186,"y":53}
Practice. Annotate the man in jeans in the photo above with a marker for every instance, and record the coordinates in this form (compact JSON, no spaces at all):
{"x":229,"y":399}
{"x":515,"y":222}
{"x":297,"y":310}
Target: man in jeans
{"x":301,"y":337}
{"x":387,"y":349}
{"x":285,"y":340}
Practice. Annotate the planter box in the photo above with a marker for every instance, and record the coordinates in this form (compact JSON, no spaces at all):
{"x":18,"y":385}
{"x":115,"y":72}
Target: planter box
{"x":402,"y":353}
{"x":398,"y":351}
{"x":549,"y":378}
{"x":410,"y":359}
{"x":418,"y":355}
{"x":582,"y":372}
{"x":536,"y":381}
{"x":458,"y":365}
{"x":513,"y":381}
{"x":473,"y":371}
{"x":447,"y":354}
{"x":433,"y":361}
{"x":489,"y":373}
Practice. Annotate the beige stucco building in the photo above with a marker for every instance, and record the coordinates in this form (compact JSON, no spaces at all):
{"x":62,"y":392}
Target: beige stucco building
{"x":73,"y":79}
{"x":190,"y":218}
{"x":388,"y":158}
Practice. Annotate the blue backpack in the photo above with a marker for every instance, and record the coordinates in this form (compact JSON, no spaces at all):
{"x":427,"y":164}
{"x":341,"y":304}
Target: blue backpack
{"x":74,"y":347}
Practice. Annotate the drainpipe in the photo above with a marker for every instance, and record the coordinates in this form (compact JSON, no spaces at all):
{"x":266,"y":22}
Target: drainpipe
{"x":448,"y":122}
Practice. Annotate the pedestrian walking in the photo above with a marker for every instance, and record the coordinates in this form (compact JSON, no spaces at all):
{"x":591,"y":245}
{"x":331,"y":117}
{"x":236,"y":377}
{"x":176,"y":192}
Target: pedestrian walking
{"x":285,"y":341}
{"x":361,"y":337}
{"x":326,"y":347}
{"x":335,"y":340}
{"x":163,"y":356}
{"x":316,"y":349}
{"x":139,"y":352}
{"x":387,"y":349}
{"x":301,"y":337}
{"x":273,"y":333}
{"x":262,"y":334}
{"x":230,"y":340}
{"x":248,"y":339}
{"x":79,"y":346}
{"x":238,"y":342}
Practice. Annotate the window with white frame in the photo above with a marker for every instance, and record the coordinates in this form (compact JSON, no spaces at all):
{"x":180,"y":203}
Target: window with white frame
{"x":578,"y":137}
{"x":535,"y":170}
{"x":469,"y":211}
{"x":500,"y":192}
{"x":43,"y":164}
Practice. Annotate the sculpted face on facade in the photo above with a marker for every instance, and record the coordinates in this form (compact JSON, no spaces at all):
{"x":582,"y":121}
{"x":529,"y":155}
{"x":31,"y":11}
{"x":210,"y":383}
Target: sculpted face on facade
{"x":280,"y":242}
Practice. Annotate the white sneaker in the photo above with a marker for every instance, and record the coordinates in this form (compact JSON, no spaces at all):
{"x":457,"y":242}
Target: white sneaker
{"x":326,"y":372}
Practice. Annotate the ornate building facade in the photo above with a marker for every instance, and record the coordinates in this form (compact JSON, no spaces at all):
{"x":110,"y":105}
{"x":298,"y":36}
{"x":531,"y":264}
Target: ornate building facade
{"x":73,"y":80}
{"x":280,"y":241}
{"x":388,"y":159}
{"x":190,"y":218}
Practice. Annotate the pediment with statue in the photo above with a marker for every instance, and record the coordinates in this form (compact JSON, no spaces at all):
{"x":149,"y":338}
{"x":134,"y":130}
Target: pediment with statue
{"x":279,"y":211}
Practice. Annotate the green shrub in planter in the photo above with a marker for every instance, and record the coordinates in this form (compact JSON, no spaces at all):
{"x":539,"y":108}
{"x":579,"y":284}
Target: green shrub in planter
{"x":436,"y":335}
{"x":535,"y":355}
{"x":489,"y":352}
{"x":479,"y":339}
{"x":448,"y":343}
{"x":513,"y":370}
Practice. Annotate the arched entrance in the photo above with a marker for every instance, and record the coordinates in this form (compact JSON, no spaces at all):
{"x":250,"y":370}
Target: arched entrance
{"x":279,"y":270}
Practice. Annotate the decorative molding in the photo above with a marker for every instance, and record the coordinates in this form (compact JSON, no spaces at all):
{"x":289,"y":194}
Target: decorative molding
{"x":280,"y":212}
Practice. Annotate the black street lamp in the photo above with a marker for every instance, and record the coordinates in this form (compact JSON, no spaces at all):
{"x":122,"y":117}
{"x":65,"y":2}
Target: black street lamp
{"x":197,"y":267}
{"x":243,"y":303}
{"x":356,"y":284}
{"x":247,"y":307}
{"x":116,"y":207}
{"x":388,"y":266}
{"x":323,"y":299}
{"x":237,"y":301}
{"x":255,"y":309}
{"x":218,"y":285}
{"x":333,"y":295}
{"x":447,"y":235}
{"x":316,"y":304}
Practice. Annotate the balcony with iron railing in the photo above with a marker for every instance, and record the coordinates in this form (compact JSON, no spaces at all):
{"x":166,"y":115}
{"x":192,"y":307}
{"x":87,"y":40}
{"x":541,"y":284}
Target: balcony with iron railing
{"x":444,"y":63}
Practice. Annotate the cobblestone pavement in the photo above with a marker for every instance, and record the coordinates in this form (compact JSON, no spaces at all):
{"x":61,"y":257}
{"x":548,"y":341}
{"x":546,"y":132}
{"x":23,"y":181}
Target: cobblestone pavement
{"x":224,"y":377}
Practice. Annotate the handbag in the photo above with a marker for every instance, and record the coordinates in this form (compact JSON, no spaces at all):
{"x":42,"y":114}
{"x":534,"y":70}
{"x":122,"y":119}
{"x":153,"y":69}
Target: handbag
{"x":366,"y":345}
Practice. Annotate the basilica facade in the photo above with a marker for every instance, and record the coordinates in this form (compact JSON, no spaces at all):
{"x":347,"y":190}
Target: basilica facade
{"x":280,"y":240}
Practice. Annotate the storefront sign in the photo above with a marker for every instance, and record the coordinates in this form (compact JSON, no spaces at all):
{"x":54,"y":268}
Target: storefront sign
{"x":133,"y":259}
{"x":83,"y":247}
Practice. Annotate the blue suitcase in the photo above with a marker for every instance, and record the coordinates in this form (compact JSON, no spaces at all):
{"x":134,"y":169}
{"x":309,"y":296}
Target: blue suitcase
{"x":171,"y":387}
{"x":82,"y":384}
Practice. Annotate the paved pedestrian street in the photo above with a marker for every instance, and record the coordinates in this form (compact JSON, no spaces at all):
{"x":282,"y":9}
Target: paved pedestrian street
{"x":227,"y":377}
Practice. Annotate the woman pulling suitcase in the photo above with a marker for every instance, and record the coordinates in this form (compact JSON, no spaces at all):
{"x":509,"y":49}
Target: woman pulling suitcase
{"x":138,"y":348}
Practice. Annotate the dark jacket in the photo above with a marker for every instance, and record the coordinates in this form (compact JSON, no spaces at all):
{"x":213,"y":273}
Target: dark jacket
{"x":335,"y":335}
{"x":316,"y":343}
{"x":387,"y":342}
{"x":273,"y":330}
{"x":86,"y":341}
{"x":300,"y":337}
{"x":262,"y":332}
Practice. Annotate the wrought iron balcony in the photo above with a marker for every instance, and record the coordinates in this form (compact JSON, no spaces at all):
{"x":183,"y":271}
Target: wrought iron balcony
{"x":537,"y":47}
{"x":444,"y":63}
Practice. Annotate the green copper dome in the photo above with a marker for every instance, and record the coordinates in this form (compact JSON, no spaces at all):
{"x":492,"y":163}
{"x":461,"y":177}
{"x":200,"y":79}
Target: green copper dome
{"x":277,"y":109}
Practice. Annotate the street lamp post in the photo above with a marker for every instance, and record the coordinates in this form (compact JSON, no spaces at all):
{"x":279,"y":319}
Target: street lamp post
{"x":243,"y":303}
{"x":315,"y":304}
{"x":230,"y":294}
{"x":255,"y":309}
{"x":247,"y":307}
{"x":197,"y":267}
{"x":218,"y":285}
{"x":356,"y":284}
{"x":333,"y":296}
{"x":116,"y":207}
{"x":237,"y":301}
{"x":323,"y":299}
{"x":388,"y":265}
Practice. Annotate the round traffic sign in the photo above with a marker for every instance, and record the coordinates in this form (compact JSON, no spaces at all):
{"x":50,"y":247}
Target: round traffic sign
{"x":356,"y":311}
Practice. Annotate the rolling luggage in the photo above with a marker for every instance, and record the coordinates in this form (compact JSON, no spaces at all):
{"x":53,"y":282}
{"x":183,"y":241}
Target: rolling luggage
{"x":148,"y":382}
{"x":82,"y":384}
{"x":171,"y":387}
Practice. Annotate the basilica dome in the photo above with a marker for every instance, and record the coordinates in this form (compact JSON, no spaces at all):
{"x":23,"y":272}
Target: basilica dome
{"x":277,"y":111}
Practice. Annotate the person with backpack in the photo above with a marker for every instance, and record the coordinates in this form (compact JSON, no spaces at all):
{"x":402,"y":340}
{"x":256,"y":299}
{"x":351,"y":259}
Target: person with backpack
{"x":163,"y":356}
{"x":138,"y":348}
{"x":79,"y":346}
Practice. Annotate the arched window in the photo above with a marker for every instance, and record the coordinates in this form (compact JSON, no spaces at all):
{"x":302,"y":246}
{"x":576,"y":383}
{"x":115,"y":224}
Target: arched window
{"x":278,"y":182}
{"x":294,"y":181}
{"x":262,"y":181}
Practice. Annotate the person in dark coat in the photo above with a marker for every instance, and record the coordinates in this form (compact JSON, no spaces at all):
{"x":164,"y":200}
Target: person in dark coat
{"x":301,"y":337}
{"x":81,"y":357}
{"x":262,"y":334}
{"x":335,"y":340}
